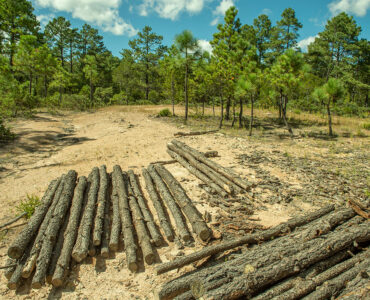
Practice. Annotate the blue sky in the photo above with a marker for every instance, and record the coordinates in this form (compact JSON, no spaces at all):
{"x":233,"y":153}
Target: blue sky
{"x":119,"y":20}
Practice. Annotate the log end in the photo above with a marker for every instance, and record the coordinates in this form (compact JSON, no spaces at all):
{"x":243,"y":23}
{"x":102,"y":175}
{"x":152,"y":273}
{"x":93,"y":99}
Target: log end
{"x":186,"y":238}
{"x":12,"y":285}
{"x":133,"y":267}
{"x":79,"y":256}
{"x":150,"y":258}
{"x":14,"y":252}
{"x":113,"y":247}
{"x":96,"y":242}
{"x":104,"y":253}
{"x":36,"y":285}
{"x":26,"y":274}
{"x":205,"y":234}
{"x":170,"y":238}
{"x":49,"y":279}
{"x":57,"y":282}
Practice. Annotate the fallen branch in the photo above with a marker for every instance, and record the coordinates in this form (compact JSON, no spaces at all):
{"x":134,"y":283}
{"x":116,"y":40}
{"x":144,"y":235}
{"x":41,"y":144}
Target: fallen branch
{"x":177,"y":134}
{"x":359,"y":209}
{"x":8,"y":266}
{"x":13,"y":220}
{"x":173,"y":161}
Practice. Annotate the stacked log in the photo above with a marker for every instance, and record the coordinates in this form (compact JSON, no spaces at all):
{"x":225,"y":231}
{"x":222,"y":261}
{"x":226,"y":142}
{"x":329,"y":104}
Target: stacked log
{"x":303,"y":259}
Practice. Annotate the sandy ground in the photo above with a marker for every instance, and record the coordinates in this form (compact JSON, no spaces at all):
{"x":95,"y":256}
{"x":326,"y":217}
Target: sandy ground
{"x":50,"y":145}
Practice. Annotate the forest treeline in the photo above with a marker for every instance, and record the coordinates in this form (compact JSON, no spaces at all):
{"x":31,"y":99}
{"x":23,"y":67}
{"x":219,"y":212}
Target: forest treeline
{"x":254,"y":65}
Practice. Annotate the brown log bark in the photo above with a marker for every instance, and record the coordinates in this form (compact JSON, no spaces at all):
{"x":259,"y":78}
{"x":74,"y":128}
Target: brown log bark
{"x":197,"y":173}
{"x":162,"y":216}
{"x":141,"y":230}
{"x":21,"y":242}
{"x":120,"y":184}
{"x":304,"y":287}
{"x":71,"y":232}
{"x":202,"y":168}
{"x":248,"y":239}
{"x":199,"y":226}
{"x":116,"y":223}
{"x":358,"y":287}
{"x":228,"y":173}
{"x":52,"y":230}
{"x":208,"y":154}
{"x":10,"y":264}
{"x":177,"y":134}
{"x":16,"y":276}
{"x":100,"y":209}
{"x":148,"y":218}
{"x":81,"y":247}
{"x":34,"y":253}
{"x":288,"y":266}
{"x":181,"y":228}
{"x":104,"y":249}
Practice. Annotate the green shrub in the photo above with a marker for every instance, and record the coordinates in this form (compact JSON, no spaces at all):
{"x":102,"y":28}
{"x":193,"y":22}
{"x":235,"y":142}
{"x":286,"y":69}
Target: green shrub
{"x":29,"y":205}
{"x":5,"y":133}
{"x":164,"y":113}
{"x":366,"y":126}
{"x":120,"y":98}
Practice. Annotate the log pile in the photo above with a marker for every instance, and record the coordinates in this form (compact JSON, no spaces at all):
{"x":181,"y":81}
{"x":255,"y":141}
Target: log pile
{"x":313,"y":256}
{"x":81,"y":217}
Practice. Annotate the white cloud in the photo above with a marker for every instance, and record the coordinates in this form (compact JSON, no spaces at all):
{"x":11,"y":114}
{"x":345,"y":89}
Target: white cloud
{"x":303,"y":44}
{"x":267,"y":11}
{"x":205,"y":45}
{"x":44,"y":19}
{"x":170,"y":9}
{"x":104,"y":14}
{"x":356,"y":7}
{"x":220,"y":10}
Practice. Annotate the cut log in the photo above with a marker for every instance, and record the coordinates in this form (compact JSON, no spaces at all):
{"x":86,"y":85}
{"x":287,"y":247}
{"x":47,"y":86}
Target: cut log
{"x":217,"y":178}
{"x":248,"y":239}
{"x":104,"y":249}
{"x":71,"y":233}
{"x":10,"y":222}
{"x":228,"y":173}
{"x":177,"y":134}
{"x":141,"y":231}
{"x":181,"y":228}
{"x":52,"y":230}
{"x":116,"y":223}
{"x":304,"y":287}
{"x":197,"y":173}
{"x":173,"y":161}
{"x":81,"y":247}
{"x":357,"y":288}
{"x":10,"y":264}
{"x":100,"y":209}
{"x":120,"y":185}
{"x":21,"y":242}
{"x":335,"y":285}
{"x":16,"y":276}
{"x":148,"y":218}
{"x":187,"y":206}
{"x":359,"y":208}
{"x":34,"y":253}
{"x":162,"y":216}
{"x":254,"y":280}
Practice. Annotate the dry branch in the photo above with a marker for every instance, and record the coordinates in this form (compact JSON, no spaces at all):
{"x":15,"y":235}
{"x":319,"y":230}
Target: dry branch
{"x":178,"y":134}
{"x":208,"y":154}
{"x":10,"y":222}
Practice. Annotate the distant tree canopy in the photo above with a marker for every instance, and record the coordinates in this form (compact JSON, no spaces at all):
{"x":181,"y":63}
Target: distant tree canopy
{"x":257,"y":65}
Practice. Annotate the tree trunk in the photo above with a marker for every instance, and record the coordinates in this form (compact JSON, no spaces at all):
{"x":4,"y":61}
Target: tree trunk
{"x":181,"y":227}
{"x":45,"y":86}
{"x":162,"y":216}
{"x":241,"y":113}
{"x":280,"y":104}
{"x":120,"y":184}
{"x":81,"y":247}
{"x":173,"y":94}
{"x":18,"y":247}
{"x":198,"y":225}
{"x":186,"y":88}
{"x":213,"y":106}
{"x":116,"y":223}
{"x":71,"y":55}
{"x":228,"y":105}
{"x":251,"y":120}
{"x":284,"y":116}
{"x":100,"y":207}
{"x":329,"y":119}
{"x":148,"y":218}
{"x":203,"y":104}
{"x":234,"y":114}
{"x":64,"y":259}
{"x":222,"y":112}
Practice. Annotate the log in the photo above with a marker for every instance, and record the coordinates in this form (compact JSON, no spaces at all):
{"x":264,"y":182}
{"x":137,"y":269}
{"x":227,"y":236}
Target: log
{"x":181,"y":228}
{"x":120,"y":185}
{"x":21,"y":242}
{"x":81,"y":247}
{"x":359,"y":209}
{"x":142,"y":234}
{"x":217,"y":178}
{"x":187,"y":206}
{"x":260,"y":278}
{"x":34,"y":253}
{"x":178,"y":134}
{"x":16,"y":276}
{"x":52,"y":230}
{"x":173,"y":161}
{"x":149,"y":221}
{"x":116,"y":223}
{"x":10,"y":264}
{"x":248,"y":239}
{"x":104,"y":249}
{"x":71,"y":233}
{"x":198,"y":173}
{"x":357,"y":288}
{"x":335,"y":285}
{"x":307,"y":286}
{"x":100,"y":209}
{"x":162,"y":216}
{"x":228,"y":173}
{"x":10,"y":222}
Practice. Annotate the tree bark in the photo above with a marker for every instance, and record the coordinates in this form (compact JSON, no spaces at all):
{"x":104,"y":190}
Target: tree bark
{"x":162,"y":216}
{"x":251,"y":120}
{"x":15,"y":278}
{"x":173,"y":94}
{"x":81,"y":247}
{"x":228,"y":105}
{"x":120,"y":185}
{"x":181,"y":228}
{"x":222,"y":113}
{"x":18,"y":247}
{"x":152,"y":227}
{"x":116,"y":223}
{"x":71,"y":232}
{"x":329,"y":119}
{"x":228,"y":173}
{"x":104,"y":249}
{"x":187,"y":206}
{"x":52,"y":230}
{"x":12,"y":264}
{"x":101,"y":204}
{"x":241,"y":113}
